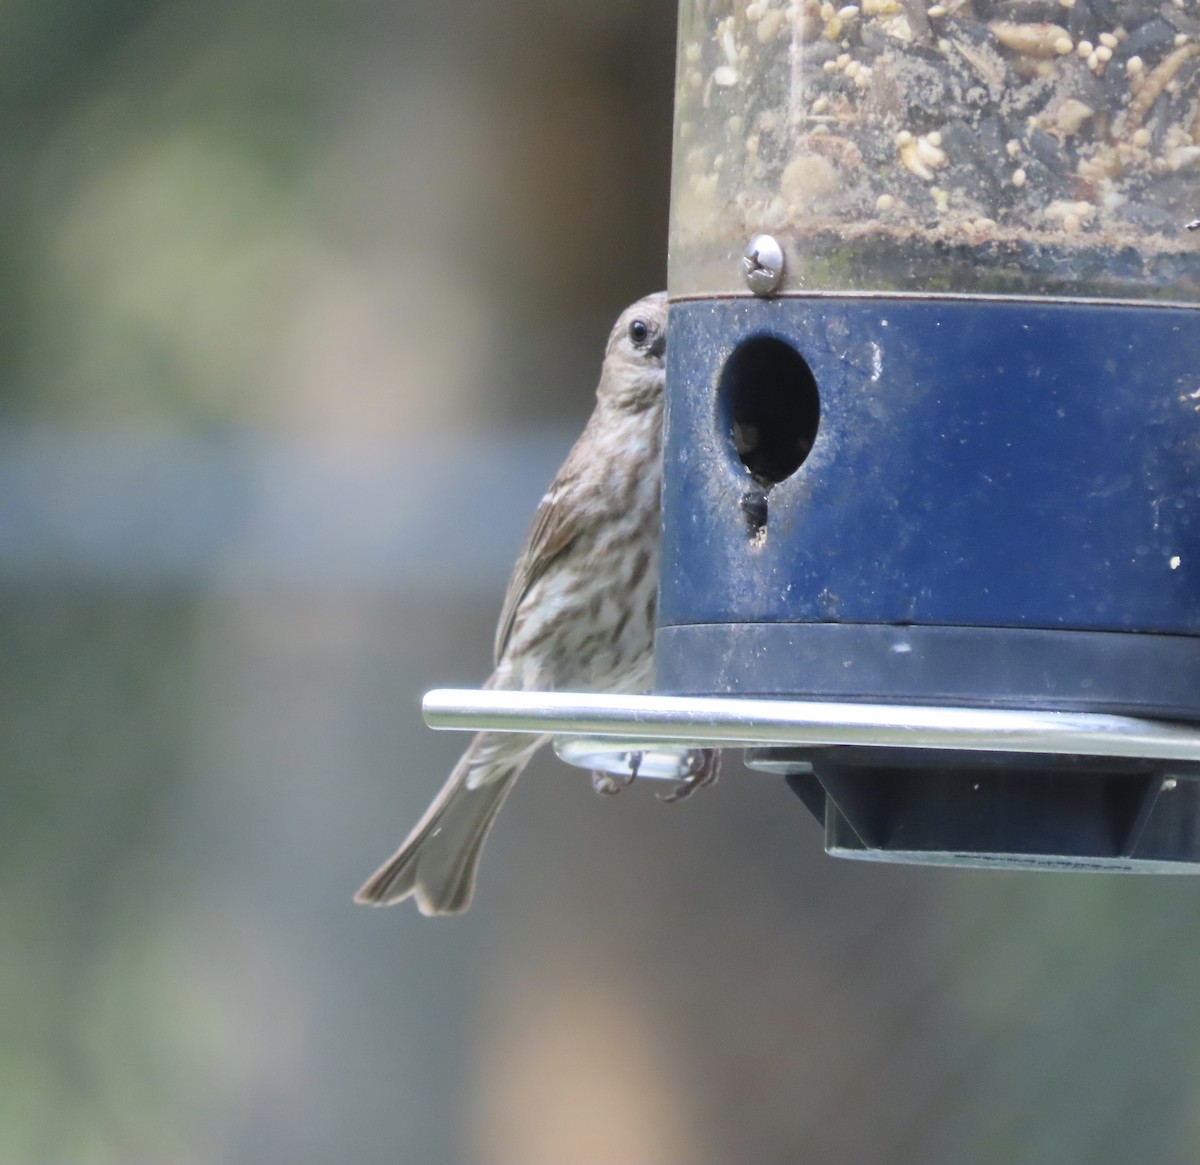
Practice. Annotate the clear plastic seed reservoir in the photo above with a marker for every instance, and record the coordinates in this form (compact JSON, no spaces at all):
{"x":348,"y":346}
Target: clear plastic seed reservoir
{"x":1034,"y":147}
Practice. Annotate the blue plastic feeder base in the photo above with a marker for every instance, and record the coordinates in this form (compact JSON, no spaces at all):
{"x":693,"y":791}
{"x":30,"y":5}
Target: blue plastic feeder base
{"x":972,"y":502}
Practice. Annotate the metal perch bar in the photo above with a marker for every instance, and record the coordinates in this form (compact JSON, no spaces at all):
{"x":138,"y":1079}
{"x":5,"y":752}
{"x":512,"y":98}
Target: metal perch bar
{"x":734,"y":722}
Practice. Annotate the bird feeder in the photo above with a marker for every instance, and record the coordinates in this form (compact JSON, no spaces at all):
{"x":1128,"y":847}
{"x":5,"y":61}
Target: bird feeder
{"x":931,"y":533}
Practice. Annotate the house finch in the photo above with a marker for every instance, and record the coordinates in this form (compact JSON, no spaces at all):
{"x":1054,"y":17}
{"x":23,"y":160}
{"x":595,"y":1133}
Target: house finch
{"x":578,"y":615}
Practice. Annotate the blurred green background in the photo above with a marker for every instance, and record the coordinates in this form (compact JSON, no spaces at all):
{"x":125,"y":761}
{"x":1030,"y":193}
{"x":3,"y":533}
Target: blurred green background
{"x":301,"y":303}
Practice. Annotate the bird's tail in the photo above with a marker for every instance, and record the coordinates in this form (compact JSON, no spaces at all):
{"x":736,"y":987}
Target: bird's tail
{"x":437,"y":862}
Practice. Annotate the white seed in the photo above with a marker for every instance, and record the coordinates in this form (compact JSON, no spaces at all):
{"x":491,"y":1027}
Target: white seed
{"x":934,"y":138}
{"x":936,"y":11}
{"x":1062,"y":46}
{"x":726,"y":76}
{"x":1108,"y":40}
{"x":1104,"y":53}
{"x":1035,"y":40}
{"x":930,"y":154}
{"x":1012,"y":147}
{"x":849,"y":12}
{"x":729,"y":46}
{"x":1084,"y":48}
{"x":1072,"y":215}
{"x":1183,"y":156}
{"x":898,"y":28}
{"x":1134,"y":65}
{"x":770,"y":24}
{"x":830,"y":66}
{"x":1018,"y":178}
{"x":884,"y":202}
{"x":913,"y":163}
{"x":821,"y":104}
{"x":1071,"y":114}
{"x":1141,"y":137}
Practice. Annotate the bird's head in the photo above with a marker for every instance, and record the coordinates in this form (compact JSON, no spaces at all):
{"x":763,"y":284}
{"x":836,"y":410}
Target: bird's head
{"x":635,"y":360}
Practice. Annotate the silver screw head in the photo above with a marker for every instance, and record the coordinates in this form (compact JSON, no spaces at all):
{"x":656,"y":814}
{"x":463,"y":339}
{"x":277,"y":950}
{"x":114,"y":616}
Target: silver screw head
{"x":762,"y":264}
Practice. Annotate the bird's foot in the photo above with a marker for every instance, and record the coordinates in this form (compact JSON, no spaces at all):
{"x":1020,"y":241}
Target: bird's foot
{"x":703,"y":768}
{"x":609,"y":784}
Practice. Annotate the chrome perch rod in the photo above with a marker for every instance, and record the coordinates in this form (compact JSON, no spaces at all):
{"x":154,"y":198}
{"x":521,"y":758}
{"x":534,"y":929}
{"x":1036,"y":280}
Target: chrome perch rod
{"x":694,"y":721}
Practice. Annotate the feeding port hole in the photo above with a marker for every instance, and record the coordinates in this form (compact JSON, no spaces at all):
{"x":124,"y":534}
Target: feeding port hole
{"x":769,"y":407}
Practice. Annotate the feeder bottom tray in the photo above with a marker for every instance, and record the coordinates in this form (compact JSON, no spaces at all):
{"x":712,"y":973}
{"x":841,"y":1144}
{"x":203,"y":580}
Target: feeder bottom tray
{"x":997,"y":809}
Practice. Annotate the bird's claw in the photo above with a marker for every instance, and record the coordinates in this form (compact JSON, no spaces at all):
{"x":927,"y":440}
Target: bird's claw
{"x":609,"y":784}
{"x":703,"y":768}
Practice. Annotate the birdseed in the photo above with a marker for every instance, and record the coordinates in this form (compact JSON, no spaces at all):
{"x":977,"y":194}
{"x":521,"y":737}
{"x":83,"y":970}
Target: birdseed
{"x":1010,"y":146}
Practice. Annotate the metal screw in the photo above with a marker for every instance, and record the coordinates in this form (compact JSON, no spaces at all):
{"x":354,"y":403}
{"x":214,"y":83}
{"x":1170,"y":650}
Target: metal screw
{"x":763,"y":264}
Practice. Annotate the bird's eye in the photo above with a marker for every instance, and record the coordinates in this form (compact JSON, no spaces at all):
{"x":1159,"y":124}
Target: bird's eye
{"x":638,"y":332}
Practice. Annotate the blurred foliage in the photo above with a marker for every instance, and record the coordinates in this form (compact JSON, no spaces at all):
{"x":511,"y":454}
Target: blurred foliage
{"x":94,"y":694}
{"x":182,"y":178}
{"x":311,"y":220}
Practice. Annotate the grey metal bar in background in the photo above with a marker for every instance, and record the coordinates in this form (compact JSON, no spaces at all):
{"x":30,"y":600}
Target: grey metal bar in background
{"x":160,"y":507}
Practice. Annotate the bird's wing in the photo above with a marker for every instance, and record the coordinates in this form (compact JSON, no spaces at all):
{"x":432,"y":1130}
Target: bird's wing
{"x":553,"y":531}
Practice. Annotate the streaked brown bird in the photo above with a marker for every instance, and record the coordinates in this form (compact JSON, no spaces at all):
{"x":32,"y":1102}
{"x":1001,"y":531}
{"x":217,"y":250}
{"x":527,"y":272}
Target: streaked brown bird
{"x":578,"y":615}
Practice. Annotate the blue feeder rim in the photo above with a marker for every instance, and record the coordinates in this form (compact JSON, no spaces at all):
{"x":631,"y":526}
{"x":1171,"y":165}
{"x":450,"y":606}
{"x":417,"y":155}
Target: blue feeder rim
{"x":967,"y":501}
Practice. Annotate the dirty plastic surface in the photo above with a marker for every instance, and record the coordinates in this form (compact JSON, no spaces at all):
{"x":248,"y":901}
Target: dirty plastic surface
{"x":968,"y":145}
